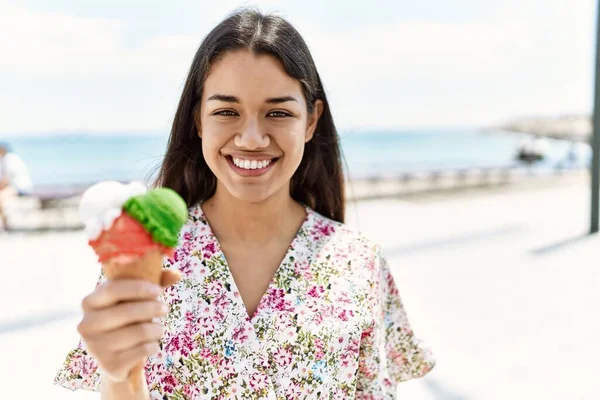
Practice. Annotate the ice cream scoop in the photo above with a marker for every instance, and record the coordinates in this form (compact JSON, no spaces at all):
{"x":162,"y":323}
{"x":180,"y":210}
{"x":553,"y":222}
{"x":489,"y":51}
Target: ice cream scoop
{"x":128,"y":221}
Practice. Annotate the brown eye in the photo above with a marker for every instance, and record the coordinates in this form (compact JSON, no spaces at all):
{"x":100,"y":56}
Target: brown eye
{"x":225,"y":113}
{"x":279,"y":114}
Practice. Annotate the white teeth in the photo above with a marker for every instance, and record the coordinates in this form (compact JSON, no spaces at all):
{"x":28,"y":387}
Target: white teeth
{"x":250,"y":164}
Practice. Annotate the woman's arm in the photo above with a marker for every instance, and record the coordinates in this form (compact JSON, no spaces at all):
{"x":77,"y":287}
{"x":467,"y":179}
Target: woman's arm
{"x":110,"y":390}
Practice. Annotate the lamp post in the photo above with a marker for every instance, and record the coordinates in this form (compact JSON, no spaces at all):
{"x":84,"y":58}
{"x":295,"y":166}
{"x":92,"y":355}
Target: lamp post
{"x":595,"y":212}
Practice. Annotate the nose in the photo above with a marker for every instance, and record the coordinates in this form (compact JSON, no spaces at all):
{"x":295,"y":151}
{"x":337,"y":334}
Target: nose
{"x":251,"y":137}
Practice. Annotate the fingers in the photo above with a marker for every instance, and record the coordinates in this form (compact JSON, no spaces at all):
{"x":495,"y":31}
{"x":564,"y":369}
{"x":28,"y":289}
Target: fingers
{"x":131,"y":337}
{"x":113,"y":292}
{"x":120,"y":315}
{"x":116,"y":324}
{"x":121,"y":363}
{"x":169,"y":277}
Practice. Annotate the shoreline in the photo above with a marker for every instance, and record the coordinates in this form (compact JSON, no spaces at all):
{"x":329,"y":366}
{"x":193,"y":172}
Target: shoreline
{"x":575,"y":128}
{"x":60,"y":213}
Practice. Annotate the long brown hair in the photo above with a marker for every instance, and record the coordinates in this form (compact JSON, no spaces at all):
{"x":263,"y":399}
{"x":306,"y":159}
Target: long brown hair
{"x":319,"y":180}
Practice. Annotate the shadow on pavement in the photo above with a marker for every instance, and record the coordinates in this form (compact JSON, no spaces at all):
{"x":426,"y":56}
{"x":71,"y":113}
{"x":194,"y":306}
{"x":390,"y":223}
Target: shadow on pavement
{"x":561,"y":244}
{"x":441,"y":392}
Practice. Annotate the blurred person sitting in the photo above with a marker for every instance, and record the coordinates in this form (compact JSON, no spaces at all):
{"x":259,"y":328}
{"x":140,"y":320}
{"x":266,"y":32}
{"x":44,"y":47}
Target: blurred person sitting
{"x":14,"y":179}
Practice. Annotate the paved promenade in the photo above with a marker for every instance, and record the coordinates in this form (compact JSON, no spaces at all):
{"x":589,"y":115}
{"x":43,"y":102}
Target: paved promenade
{"x":505,"y":288}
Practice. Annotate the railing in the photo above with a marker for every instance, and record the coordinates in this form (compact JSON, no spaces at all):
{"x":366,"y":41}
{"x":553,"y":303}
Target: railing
{"x":437,"y":180}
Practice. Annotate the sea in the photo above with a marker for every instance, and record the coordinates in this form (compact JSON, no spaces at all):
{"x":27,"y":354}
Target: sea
{"x":65,"y":159}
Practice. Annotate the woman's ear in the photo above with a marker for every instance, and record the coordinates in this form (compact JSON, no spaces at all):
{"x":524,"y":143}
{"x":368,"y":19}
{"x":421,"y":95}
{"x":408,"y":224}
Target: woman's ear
{"x":313,"y":120}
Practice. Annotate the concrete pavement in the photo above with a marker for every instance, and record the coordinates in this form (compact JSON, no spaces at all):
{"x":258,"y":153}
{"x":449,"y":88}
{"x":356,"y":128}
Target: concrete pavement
{"x":505,"y":288}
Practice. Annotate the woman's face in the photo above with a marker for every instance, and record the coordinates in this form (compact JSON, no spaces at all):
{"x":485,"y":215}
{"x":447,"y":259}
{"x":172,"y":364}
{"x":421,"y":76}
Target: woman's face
{"x":254,"y":122}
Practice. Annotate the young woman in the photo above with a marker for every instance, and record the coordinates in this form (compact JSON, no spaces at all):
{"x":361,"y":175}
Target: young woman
{"x":269,"y":294}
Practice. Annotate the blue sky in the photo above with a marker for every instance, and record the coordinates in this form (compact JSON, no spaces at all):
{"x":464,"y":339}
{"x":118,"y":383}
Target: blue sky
{"x":118,"y":66}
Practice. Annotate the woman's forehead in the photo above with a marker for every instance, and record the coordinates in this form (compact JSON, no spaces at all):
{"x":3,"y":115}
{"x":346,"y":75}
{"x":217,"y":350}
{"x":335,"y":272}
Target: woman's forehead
{"x":244,"y":74}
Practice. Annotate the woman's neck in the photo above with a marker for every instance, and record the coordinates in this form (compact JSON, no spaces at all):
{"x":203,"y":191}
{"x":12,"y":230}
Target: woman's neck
{"x":236,"y":221}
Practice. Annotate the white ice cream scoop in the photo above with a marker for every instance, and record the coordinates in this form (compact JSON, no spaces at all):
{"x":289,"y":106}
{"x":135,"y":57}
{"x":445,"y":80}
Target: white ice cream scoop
{"x":102,"y":203}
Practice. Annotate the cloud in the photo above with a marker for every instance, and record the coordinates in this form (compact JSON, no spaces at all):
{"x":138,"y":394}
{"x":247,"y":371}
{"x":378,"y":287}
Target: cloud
{"x":64,"y":72}
{"x":434,"y":73}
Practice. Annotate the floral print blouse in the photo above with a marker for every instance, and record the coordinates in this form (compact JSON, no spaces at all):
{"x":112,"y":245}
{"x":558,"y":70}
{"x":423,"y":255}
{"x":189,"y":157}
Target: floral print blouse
{"x":331,"y":325}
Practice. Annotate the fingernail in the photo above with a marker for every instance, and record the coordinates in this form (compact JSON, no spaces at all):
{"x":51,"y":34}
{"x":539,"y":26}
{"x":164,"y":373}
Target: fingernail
{"x":164,"y":308}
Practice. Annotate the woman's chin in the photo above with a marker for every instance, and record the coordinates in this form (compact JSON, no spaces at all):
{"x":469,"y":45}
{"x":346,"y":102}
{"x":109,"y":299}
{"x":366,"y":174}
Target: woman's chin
{"x":251,"y":194}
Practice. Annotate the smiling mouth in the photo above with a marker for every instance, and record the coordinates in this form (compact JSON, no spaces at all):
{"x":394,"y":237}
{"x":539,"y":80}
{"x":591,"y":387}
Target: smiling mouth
{"x":247,"y":167}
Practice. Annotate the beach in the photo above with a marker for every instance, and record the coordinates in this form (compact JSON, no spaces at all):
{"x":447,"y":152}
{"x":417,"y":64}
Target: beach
{"x":501,"y":284}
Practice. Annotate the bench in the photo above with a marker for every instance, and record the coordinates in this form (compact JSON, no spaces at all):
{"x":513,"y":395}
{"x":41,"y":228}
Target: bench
{"x":46,"y":208}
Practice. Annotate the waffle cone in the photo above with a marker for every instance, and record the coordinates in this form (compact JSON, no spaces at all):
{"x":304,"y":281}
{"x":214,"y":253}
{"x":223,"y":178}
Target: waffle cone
{"x":148,"y":268}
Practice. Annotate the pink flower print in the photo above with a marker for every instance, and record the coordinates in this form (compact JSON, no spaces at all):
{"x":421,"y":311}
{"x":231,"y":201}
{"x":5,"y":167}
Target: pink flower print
{"x":155,"y":371}
{"x":343,"y":297}
{"x":239,"y":334}
{"x":82,"y":365}
{"x":259,"y":381}
{"x":169,"y":382}
{"x":319,"y":317}
{"x":397,"y":357}
{"x":370,"y":265}
{"x":182,"y":344}
{"x":172,"y":344}
{"x":226,"y":368}
{"x":318,"y":342}
{"x":277,"y":301}
{"x":186,"y":268}
{"x":190,"y":317}
{"x":221,"y":301}
{"x":293,"y":391}
{"x":282,"y":357}
{"x":215,"y":359}
{"x":353,"y":347}
{"x":188,"y":345}
{"x":207,"y":326}
{"x":171,"y":294}
{"x":263,"y":360}
{"x":191,"y":391}
{"x":312,"y":303}
{"x":205,"y":352}
{"x":178,"y":255}
{"x":316,"y":291}
{"x":325,"y":229}
{"x":344,"y":315}
{"x":214,"y":288}
{"x":308,"y":275}
{"x":89,"y":380}
{"x":209,"y":250}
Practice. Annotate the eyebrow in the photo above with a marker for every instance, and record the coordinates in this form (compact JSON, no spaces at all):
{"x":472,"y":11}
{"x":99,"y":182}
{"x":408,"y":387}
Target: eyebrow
{"x":233,"y":99}
{"x":282,"y":99}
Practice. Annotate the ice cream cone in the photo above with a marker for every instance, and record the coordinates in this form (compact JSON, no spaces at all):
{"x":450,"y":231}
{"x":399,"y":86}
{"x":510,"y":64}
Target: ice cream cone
{"x":148,"y":268}
{"x":131,"y":230}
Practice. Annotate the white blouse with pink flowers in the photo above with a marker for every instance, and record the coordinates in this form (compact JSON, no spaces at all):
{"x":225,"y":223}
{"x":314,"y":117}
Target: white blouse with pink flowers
{"x":331,"y":325}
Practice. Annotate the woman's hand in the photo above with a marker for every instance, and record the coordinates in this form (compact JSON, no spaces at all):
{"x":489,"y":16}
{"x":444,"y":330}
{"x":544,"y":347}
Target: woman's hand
{"x":117,"y":324}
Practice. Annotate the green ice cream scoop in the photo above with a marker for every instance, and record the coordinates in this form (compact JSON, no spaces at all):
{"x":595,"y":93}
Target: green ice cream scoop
{"x":162,"y":212}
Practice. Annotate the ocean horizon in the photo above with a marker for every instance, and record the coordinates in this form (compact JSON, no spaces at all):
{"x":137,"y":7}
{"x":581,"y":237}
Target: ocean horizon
{"x":83,"y":158}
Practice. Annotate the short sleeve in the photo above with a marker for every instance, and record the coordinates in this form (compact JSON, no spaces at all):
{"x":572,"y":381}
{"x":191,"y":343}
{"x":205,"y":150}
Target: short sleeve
{"x":80,"y":369}
{"x":390,"y":352}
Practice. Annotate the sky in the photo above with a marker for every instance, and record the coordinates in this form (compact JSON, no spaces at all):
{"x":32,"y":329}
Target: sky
{"x":116,"y":66}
